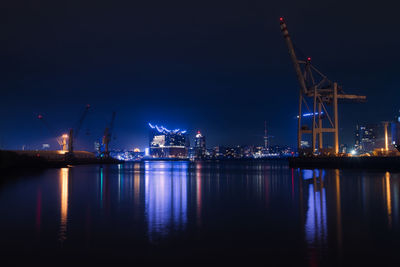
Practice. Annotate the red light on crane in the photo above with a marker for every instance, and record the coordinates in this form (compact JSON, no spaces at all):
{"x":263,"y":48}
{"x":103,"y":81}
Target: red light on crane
{"x":281,"y":18}
{"x":308,"y":59}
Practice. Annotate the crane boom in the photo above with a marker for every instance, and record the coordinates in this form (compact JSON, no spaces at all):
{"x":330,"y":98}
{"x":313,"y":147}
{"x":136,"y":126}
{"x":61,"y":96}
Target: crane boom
{"x":80,"y":122}
{"x":293,"y":56}
{"x":74,"y":133}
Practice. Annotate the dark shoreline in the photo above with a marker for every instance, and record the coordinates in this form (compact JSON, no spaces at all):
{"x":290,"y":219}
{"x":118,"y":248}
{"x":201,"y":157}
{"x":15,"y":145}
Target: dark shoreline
{"x":370,"y":163}
{"x":11,"y":161}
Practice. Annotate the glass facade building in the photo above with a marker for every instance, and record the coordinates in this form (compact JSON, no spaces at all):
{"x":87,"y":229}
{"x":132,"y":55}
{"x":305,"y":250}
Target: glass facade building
{"x":166,"y":143}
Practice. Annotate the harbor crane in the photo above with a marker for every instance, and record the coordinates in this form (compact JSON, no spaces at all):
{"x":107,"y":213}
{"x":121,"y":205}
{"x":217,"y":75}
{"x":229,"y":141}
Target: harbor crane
{"x":62,"y":140}
{"x":73,"y":134}
{"x":320,"y":97}
{"x":107,"y":137}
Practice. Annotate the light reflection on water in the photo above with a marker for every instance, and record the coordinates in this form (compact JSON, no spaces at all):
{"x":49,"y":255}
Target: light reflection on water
{"x":314,"y":184}
{"x":165,"y":197}
{"x":64,"y":203}
{"x":316,"y":222}
{"x":264,"y":205}
{"x":388,"y":198}
{"x":198,"y":193}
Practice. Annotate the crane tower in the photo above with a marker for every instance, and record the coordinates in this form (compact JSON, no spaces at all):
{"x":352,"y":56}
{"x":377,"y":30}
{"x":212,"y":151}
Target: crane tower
{"x":107,"y":136}
{"x":319,"y":96}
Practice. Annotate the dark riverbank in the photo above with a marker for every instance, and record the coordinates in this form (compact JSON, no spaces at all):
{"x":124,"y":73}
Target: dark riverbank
{"x":11,"y":160}
{"x":378,"y":163}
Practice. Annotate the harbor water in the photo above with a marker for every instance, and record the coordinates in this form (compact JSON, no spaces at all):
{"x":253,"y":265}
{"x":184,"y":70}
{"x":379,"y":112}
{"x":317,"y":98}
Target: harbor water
{"x":199,"y":213}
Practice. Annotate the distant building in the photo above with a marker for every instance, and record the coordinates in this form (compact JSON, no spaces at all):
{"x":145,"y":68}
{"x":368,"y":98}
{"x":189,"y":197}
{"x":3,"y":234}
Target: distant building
{"x":127,"y":155}
{"x":166,"y":143}
{"x":395,"y":131}
{"x":238,"y":152}
{"x":222,"y":152}
{"x":366,"y":137}
{"x":343,"y":148}
{"x":199,"y":146}
{"x":191,"y":153}
{"x":97,"y":147}
{"x":305,"y":144}
{"x":45,"y":146}
{"x":280,"y":151}
{"x":369,"y":137}
{"x":248,"y":152}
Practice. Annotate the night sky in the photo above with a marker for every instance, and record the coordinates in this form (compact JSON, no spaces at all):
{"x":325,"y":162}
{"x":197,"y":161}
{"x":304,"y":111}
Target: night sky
{"x":221,"y":67}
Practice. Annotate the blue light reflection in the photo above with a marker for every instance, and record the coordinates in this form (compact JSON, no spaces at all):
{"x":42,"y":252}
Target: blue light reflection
{"x":165,"y":197}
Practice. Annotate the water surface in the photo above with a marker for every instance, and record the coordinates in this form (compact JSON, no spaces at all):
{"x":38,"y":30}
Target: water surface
{"x":154,"y":213}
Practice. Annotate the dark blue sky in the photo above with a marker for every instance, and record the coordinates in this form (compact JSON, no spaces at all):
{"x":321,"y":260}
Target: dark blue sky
{"x":218,"y":66}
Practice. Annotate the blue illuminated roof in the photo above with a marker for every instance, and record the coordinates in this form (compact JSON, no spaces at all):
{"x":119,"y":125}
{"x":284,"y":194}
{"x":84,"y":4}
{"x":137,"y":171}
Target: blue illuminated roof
{"x":162,"y":129}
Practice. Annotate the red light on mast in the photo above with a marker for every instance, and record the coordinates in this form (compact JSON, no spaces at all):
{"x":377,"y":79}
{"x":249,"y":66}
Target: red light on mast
{"x":40,"y":117}
{"x":281,"y":18}
{"x":308,"y":59}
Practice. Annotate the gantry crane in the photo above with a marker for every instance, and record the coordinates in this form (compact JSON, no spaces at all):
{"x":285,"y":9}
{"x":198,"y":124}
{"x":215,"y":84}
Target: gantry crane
{"x":317,"y":89}
{"x":107,"y":137}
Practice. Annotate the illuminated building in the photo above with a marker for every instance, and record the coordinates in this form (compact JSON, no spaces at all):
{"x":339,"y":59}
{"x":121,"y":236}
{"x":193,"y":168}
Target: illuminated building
{"x":97,"y":146}
{"x":166,"y":143}
{"x":369,"y":137}
{"x":45,"y":146}
{"x":395,"y":131}
{"x":127,"y":155}
{"x":221,"y":152}
{"x":199,"y":146}
{"x":248,"y":151}
{"x":366,"y":137}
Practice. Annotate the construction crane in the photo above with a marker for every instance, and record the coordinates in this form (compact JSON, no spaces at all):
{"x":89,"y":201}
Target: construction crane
{"x":316,"y":90}
{"x":73,"y":134}
{"x":107,"y":137}
{"x":61,"y":140}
